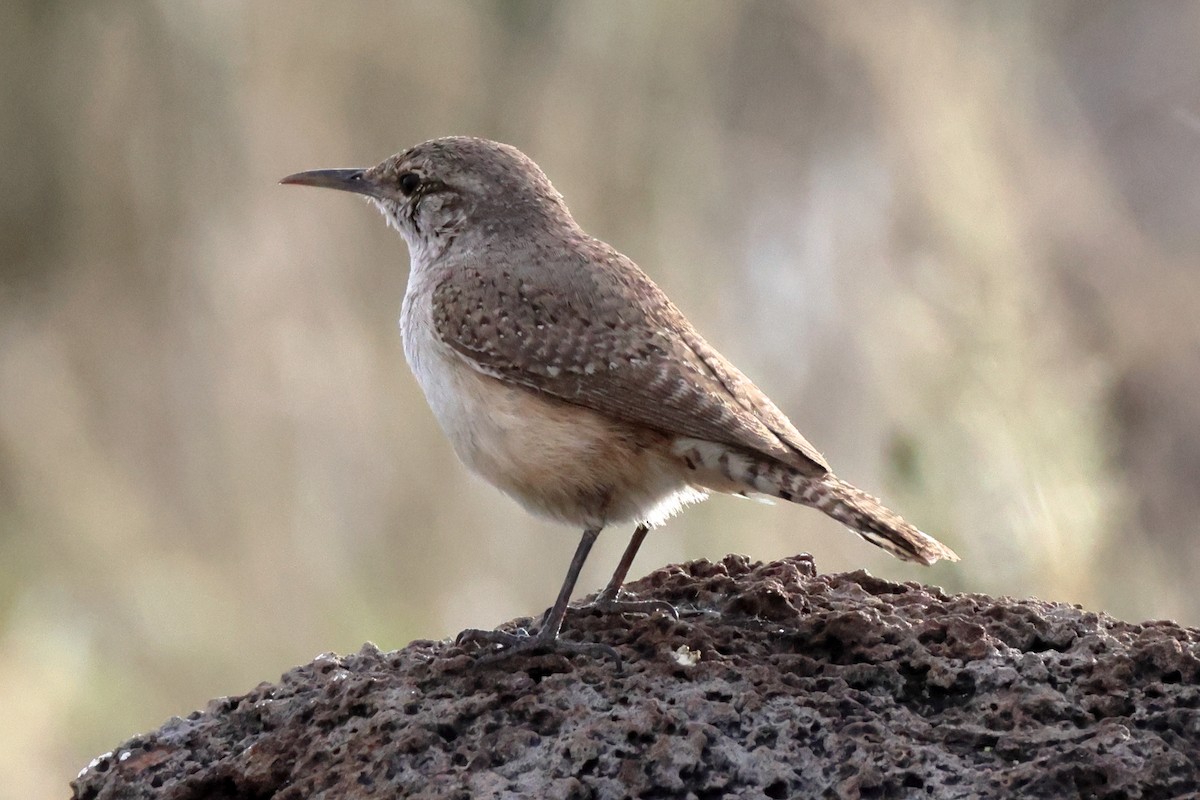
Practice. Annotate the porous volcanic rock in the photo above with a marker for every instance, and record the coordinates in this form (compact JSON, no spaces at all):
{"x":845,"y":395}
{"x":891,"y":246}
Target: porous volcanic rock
{"x":776,"y":682}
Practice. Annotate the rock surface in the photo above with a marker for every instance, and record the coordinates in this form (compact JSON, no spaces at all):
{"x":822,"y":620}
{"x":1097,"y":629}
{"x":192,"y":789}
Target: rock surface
{"x":775,"y":683}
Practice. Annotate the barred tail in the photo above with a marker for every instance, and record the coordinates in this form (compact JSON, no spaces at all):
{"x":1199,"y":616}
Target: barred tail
{"x":870,"y":519}
{"x":721,"y":468}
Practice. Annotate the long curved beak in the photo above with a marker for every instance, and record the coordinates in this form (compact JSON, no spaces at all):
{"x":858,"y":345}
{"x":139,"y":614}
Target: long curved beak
{"x":346,"y":180}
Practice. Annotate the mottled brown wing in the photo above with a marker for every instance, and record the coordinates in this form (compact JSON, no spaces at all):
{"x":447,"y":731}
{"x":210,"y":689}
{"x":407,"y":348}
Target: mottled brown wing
{"x":640,"y":363}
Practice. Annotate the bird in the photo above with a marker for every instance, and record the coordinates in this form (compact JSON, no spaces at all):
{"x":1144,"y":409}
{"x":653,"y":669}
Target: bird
{"x":564,"y":376}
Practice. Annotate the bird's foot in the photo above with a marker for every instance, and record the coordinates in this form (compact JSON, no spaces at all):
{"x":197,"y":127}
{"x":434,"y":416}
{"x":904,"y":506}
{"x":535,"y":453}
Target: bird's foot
{"x":621,"y":603}
{"x":544,"y":641}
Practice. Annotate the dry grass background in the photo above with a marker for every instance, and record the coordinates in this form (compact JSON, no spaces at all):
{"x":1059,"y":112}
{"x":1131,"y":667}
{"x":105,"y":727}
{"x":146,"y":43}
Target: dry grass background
{"x":957,"y":242}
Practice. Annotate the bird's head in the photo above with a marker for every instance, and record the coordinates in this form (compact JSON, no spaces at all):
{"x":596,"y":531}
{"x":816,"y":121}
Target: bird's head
{"x":434,"y":192}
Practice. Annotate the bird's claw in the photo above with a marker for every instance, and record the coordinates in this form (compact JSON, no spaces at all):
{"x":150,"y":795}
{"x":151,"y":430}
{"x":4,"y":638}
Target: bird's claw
{"x":619,"y":603}
{"x":510,"y":644}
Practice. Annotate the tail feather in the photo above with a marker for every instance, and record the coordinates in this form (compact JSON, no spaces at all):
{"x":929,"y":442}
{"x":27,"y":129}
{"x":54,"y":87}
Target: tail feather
{"x":723,"y":469}
{"x":870,"y":519}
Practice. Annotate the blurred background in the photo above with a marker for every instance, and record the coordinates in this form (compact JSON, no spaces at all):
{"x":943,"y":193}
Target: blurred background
{"x":956,"y":242}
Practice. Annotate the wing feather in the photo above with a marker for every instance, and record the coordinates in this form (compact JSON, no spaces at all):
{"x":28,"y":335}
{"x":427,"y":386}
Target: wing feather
{"x":640,"y":363}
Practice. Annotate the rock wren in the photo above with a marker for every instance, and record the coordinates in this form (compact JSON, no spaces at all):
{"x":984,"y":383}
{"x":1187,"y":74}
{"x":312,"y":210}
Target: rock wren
{"x":564,"y":376}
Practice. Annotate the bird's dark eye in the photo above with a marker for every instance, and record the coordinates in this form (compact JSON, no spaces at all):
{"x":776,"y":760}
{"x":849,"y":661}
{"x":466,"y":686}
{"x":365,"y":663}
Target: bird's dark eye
{"x":409,"y":182}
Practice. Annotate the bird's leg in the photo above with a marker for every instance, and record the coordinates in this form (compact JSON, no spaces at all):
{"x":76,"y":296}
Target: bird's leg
{"x":610,"y":600}
{"x":546,"y":639}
